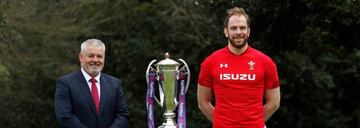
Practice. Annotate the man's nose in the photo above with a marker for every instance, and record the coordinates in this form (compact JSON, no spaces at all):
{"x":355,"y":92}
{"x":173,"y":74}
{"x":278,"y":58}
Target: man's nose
{"x":95,"y":58}
{"x":238,"y":30}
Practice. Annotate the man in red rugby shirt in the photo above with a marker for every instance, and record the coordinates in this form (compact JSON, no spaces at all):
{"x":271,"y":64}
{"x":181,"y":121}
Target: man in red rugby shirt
{"x":240,"y":77}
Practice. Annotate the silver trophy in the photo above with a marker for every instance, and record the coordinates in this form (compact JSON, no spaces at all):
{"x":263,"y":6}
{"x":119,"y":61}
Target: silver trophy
{"x":167,"y":75}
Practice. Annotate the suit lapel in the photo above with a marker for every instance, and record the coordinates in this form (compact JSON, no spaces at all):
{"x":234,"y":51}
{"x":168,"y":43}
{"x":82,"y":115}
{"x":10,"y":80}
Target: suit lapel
{"x":103,"y":94}
{"x":85,"y":90}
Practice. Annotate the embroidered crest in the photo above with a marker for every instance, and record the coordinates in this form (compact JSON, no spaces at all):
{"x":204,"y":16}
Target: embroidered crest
{"x":251,"y":64}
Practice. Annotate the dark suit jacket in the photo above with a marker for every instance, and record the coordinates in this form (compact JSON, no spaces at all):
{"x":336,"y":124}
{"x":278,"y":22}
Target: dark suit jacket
{"x":74,"y":107}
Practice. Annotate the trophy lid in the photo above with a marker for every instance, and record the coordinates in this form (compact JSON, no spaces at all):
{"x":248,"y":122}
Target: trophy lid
{"x":167,"y":61}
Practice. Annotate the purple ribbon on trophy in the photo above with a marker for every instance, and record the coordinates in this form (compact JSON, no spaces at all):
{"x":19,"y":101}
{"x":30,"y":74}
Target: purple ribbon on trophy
{"x":182,"y":104}
{"x":172,"y":81}
{"x":150,"y":99}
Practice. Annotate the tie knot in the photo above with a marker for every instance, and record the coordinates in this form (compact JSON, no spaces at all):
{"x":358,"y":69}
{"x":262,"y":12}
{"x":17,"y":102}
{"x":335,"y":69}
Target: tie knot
{"x":93,"y":80}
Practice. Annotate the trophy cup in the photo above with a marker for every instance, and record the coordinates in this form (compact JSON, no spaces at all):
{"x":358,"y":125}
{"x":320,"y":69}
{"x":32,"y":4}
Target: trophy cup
{"x":170,"y":77}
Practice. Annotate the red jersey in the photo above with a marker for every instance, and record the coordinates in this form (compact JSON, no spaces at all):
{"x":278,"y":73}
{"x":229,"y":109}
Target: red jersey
{"x":238,"y":83}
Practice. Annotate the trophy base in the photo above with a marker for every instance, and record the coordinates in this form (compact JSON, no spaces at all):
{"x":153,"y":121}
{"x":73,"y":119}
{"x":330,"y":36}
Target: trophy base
{"x":162,"y":126}
{"x":169,"y":122}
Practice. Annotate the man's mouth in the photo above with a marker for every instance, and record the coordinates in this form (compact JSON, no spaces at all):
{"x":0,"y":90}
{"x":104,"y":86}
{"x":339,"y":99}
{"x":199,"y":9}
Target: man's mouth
{"x":238,"y":39}
{"x":94,"y":65}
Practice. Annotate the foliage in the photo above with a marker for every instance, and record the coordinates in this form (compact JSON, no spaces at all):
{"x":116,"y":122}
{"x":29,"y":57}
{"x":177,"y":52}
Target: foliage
{"x":315,"y":44}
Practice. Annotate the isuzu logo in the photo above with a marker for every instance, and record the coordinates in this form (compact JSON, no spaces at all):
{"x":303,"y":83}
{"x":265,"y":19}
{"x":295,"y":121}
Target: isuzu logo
{"x":228,"y":76}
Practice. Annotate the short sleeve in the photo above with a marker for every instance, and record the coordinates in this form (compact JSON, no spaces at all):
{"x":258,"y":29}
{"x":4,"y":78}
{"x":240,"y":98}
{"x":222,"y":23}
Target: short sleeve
{"x":205,"y":77}
{"x":271,"y":75}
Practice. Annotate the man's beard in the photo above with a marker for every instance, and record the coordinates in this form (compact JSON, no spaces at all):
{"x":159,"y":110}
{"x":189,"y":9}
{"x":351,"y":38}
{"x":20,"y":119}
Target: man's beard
{"x":94,"y":70}
{"x":237,"y":45}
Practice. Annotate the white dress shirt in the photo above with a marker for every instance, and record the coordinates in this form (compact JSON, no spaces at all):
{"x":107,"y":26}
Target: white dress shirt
{"x":88,"y":78}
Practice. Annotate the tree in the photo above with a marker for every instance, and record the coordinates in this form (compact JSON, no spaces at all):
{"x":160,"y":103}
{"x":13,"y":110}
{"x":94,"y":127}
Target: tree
{"x":315,"y":44}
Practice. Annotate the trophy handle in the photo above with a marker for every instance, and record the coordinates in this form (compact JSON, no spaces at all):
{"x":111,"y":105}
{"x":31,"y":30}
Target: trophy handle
{"x":188,"y":74}
{"x":149,"y":68}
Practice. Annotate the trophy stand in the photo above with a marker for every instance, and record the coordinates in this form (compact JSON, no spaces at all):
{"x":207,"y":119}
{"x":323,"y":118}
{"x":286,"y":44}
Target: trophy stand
{"x":169,"y":120}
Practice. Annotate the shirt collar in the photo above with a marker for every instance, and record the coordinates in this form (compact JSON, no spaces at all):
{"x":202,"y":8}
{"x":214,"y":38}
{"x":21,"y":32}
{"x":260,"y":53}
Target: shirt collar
{"x":247,"y":49}
{"x":88,"y":77}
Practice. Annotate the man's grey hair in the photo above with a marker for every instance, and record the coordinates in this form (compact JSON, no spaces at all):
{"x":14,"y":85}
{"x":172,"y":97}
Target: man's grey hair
{"x":96,"y":42}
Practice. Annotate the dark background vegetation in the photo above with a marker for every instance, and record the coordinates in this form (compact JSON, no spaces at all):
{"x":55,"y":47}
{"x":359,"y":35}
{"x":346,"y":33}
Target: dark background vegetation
{"x":315,"y":43}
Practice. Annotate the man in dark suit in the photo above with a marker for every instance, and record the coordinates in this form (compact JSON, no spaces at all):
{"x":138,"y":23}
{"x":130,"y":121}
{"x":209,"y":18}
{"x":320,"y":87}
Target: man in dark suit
{"x":88,"y":98}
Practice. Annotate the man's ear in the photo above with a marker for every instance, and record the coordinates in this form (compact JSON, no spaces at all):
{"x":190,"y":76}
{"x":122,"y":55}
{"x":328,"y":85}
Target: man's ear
{"x":226,"y":32}
{"x":248,"y":33}
{"x":80,"y":57}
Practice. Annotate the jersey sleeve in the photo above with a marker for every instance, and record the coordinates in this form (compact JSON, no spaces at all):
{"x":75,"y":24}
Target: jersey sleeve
{"x":205,"y":77}
{"x":271,"y":75}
